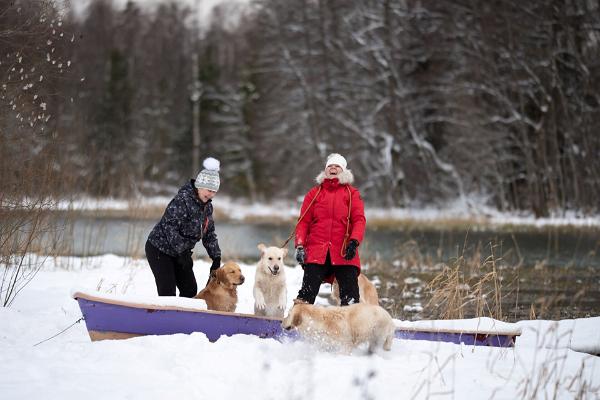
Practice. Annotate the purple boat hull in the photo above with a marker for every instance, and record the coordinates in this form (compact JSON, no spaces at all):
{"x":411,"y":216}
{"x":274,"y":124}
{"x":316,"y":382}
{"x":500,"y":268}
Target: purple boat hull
{"x":468,"y":338}
{"x":111,"y":320}
{"x":107,"y":317}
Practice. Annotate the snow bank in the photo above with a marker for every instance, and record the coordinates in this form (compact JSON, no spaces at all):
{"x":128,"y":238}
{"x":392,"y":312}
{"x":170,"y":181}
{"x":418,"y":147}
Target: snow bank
{"x":288,"y":210}
{"x":582,"y":334}
{"x":36,"y":362}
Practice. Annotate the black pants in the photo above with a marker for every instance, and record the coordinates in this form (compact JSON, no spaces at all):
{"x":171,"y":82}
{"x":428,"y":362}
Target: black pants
{"x":346,"y":275}
{"x":171,"y":272}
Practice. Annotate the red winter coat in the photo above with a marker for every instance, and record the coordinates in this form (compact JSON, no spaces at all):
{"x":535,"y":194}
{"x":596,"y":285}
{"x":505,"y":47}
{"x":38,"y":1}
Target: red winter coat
{"x":323,"y":227}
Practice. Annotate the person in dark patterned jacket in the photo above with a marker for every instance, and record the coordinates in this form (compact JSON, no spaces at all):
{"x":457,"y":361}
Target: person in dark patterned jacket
{"x":186,"y":220}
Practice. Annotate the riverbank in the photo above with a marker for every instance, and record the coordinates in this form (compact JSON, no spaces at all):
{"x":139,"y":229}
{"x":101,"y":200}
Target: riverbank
{"x":450,"y":217}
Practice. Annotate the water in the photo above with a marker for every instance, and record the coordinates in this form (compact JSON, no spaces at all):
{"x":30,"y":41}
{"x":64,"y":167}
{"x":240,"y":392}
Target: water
{"x":551,"y":273}
{"x":552,"y":246}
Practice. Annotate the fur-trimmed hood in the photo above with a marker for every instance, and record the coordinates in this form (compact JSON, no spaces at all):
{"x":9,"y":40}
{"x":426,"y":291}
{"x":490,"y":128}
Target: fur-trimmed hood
{"x":344,"y":178}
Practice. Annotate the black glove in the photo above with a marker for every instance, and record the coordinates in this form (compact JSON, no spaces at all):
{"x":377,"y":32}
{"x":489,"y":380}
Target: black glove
{"x":300,"y":254}
{"x":351,"y":249}
{"x":215,"y":264}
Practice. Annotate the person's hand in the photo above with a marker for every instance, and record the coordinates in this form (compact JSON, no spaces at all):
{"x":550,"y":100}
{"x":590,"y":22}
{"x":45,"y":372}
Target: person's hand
{"x":216,"y":263}
{"x":351,"y":249}
{"x":300,"y":254}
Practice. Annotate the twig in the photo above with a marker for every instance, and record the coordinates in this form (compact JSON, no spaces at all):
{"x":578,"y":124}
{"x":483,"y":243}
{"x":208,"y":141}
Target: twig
{"x":61,"y":332}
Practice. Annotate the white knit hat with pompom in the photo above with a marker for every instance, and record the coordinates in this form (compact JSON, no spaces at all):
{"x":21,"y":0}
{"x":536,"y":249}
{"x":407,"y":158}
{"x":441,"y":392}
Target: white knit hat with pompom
{"x":208,"y":178}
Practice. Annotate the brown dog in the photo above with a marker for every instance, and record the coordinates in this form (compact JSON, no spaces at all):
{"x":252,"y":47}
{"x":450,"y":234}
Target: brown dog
{"x":366,"y":291}
{"x":220,"y":293}
{"x":342,"y":328}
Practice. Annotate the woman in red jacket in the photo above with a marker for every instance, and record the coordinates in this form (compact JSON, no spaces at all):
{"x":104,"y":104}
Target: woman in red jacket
{"x":330,"y":228}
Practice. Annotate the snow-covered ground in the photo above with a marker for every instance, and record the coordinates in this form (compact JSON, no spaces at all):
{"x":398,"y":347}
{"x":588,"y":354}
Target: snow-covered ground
{"x":544,"y":363}
{"x":288,"y":211}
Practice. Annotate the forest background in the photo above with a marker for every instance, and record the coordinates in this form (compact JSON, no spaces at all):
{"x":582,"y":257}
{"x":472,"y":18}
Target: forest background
{"x":491,"y":102}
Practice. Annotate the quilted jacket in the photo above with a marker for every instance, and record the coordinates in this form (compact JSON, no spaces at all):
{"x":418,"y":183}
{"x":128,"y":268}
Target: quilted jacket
{"x":186,"y":221}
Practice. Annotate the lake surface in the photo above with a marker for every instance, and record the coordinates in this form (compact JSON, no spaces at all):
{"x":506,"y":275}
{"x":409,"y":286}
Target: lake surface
{"x":552,"y":246}
{"x":546,"y":273}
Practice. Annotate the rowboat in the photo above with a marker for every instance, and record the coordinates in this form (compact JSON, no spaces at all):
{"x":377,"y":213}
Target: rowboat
{"x":111,"y":317}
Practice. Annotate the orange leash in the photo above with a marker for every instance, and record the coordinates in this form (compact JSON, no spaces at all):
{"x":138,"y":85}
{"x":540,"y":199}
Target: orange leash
{"x":346,"y":235}
{"x":300,"y":219}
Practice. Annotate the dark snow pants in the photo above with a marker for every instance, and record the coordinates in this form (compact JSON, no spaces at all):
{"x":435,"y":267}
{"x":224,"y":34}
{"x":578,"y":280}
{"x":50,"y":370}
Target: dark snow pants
{"x":314,"y":274}
{"x":172,"y":272}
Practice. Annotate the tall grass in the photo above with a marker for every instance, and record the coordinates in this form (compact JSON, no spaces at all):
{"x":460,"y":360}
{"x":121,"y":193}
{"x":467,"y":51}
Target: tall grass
{"x":468,"y":286}
{"x":23,"y":224}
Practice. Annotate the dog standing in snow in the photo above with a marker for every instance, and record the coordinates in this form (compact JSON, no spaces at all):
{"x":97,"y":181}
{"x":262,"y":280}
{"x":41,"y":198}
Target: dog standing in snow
{"x":270,"y":292}
{"x":342,"y":328}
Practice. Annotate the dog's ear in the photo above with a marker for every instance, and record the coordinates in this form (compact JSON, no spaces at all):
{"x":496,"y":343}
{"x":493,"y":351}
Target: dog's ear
{"x":212,"y":275}
{"x":261,"y":247}
{"x":284,"y":251}
{"x":219,"y":274}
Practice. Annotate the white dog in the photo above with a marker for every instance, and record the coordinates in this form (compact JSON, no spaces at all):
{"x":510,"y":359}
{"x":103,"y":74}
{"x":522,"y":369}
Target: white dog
{"x":342,"y":328}
{"x":270,"y":292}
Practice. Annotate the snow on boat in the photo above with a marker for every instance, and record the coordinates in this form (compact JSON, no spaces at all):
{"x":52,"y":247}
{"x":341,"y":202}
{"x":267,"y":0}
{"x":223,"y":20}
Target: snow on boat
{"x":117,"y":317}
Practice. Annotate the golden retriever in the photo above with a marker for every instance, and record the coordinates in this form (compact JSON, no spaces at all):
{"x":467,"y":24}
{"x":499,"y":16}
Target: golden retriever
{"x":220,"y":293}
{"x":366,"y":291}
{"x":342,"y":328}
{"x":270,"y":292}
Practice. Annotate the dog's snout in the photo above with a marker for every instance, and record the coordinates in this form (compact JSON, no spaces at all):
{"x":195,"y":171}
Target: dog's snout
{"x":276,"y":267}
{"x":242,"y":279}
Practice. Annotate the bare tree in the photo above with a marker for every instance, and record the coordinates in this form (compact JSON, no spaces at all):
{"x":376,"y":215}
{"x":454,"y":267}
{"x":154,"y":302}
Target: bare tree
{"x":31,"y":67}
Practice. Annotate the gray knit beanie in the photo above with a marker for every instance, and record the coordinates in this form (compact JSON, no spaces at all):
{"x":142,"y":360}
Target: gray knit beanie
{"x":208,"y":178}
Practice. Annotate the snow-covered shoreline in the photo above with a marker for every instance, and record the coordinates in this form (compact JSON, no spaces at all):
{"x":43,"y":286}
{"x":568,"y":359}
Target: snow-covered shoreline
{"x":454,"y":213}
